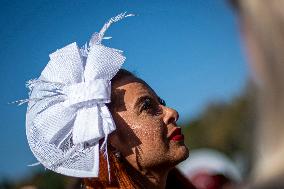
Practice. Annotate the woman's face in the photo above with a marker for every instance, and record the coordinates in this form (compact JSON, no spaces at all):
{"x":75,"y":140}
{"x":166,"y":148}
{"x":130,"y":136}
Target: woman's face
{"x":147,"y":135}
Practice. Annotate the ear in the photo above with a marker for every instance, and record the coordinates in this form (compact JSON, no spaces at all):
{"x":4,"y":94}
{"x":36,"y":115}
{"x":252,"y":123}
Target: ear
{"x":113,"y":142}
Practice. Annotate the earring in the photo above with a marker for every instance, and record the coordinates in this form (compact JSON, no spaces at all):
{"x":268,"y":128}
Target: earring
{"x":117,"y":154}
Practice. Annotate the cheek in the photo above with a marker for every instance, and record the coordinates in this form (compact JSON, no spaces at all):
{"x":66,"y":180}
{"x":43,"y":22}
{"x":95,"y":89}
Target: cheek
{"x":146,"y":133}
{"x":149,"y":133}
{"x":148,"y":128}
{"x":152,"y":134}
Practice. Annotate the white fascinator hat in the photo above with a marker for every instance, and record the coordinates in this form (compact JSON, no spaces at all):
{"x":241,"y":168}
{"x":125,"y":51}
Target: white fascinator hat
{"x":67,"y":113}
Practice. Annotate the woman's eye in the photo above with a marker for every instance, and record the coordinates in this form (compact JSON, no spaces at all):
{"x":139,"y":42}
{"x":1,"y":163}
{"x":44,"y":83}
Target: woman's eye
{"x":151,"y":106}
{"x":162,"y":102}
{"x":147,"y":104}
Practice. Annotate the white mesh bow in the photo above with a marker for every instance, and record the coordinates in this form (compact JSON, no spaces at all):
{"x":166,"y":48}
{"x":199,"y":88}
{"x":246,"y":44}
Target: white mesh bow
{"x":67,"y":113}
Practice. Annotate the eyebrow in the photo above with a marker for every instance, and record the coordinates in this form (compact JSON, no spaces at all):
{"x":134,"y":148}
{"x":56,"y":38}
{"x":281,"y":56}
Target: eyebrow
{"x":141,"y":99}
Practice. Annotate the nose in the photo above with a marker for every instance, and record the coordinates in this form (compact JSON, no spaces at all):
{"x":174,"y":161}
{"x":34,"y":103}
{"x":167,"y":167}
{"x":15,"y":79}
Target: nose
{"x":170,"y":115}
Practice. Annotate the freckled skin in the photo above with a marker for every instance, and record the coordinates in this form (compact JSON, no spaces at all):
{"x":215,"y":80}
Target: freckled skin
{"x":141,"y":135}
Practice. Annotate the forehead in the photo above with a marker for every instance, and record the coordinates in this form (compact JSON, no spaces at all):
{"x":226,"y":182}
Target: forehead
{"x":130,"y":89}
{"x":136,"y":87}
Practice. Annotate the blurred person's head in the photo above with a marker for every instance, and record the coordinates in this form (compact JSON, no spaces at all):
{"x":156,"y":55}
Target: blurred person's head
{"x":210,"y":169}
{"x":205,"y":180}
{"x":262,"y":27}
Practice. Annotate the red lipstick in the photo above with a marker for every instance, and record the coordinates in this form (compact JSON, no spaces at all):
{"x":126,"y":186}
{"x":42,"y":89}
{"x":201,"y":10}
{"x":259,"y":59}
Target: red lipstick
{"x":176,"y":135}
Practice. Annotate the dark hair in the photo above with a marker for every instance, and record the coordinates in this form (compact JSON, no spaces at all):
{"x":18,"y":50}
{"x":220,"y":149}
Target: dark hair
{"x":121,"y":74}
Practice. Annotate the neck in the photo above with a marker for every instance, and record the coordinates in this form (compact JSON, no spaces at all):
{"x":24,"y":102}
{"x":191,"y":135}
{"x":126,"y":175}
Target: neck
{"x":150,"y":179}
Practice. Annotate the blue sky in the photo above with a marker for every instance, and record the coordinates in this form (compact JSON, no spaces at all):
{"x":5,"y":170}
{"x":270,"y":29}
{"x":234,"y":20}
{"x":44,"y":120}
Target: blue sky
{"x":189,"y":51}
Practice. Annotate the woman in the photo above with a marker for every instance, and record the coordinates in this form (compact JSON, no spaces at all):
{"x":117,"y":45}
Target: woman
{"x":147,"y":143}
{"x":89,"y":118}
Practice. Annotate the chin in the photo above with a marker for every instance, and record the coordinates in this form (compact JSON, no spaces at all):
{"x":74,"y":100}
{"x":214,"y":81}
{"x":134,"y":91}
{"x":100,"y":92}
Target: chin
{"x":179,"y":154}
{"x":183,"y":153}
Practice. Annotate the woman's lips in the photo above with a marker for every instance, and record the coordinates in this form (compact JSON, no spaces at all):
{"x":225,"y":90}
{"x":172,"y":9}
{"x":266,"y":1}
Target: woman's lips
{"x":176,"y":135}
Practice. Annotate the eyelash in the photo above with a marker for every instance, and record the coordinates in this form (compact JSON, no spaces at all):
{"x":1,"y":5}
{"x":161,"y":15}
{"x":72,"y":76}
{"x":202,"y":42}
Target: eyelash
{"x":162,"y":102}
{"x":149,"y":104}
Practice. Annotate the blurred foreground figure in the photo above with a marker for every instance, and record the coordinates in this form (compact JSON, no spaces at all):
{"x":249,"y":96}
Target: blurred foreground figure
{"x":209,"y":169}
{"x":262,"y":27}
